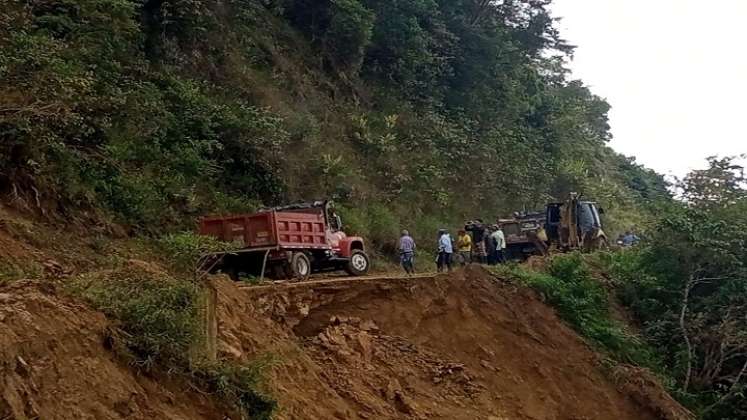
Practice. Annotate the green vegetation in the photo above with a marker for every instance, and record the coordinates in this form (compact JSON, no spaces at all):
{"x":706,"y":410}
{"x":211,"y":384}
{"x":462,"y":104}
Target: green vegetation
{"x":152,"y":113}
{"x":184,"y":250}
{"x":582,"y":301}
{"x":158,"y":314}
{"x":686,"y":286}
{"x":10,"y":272}
{"x":158,"y":327}
{"x":240,"y":384}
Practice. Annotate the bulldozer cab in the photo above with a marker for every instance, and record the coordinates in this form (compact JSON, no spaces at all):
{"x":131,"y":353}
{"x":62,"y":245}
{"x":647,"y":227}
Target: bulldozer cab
{"x":588,"y":216}
{"x":552,"y":223}
{"x":572,"y":223}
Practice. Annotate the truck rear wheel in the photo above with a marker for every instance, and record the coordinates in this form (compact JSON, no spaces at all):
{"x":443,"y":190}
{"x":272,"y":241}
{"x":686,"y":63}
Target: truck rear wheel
{"x":358,"y":264}
{"x":300,"y":266}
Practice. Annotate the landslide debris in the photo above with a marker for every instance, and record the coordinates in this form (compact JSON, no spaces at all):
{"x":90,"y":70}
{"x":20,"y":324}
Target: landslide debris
{"x":462,"y":346}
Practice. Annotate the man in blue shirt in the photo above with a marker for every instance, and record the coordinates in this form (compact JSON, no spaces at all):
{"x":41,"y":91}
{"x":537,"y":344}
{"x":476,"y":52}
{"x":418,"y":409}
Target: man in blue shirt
{"x":629,"y":239}
{"x":445,"y":249}
{"x":407,"y":252}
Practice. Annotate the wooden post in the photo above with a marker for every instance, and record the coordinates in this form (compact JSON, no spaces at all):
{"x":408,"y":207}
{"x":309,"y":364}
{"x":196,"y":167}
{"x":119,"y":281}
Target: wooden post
{"x":211,"y":321}
{"x":205,"y":347}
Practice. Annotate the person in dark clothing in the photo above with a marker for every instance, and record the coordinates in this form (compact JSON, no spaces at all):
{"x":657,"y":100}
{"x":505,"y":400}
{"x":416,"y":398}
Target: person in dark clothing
{"x":490,"y":246}
{"x":477,"y":229}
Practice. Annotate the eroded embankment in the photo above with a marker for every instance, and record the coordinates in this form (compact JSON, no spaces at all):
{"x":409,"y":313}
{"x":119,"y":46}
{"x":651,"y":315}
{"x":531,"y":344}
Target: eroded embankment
{"x":54,"y":364}
{"x":464,"y":346}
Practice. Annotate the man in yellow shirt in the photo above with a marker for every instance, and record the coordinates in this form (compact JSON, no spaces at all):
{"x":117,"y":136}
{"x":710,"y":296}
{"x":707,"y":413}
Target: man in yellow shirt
{"x":464,"y":247}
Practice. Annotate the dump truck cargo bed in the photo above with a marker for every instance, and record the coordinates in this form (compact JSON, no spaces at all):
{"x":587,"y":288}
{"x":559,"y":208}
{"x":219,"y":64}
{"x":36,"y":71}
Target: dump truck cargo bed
{"x":287,"y":229}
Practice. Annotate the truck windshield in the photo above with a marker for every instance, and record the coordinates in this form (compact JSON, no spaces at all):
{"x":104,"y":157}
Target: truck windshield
{"x":338,"y":223}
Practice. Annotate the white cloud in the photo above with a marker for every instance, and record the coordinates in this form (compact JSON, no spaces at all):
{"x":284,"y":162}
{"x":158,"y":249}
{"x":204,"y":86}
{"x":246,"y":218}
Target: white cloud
{"x":674,"y":71}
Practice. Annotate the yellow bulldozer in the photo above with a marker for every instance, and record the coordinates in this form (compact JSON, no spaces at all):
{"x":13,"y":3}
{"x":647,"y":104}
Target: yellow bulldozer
{"x":575,"y":224}
{"x":563,"y":226}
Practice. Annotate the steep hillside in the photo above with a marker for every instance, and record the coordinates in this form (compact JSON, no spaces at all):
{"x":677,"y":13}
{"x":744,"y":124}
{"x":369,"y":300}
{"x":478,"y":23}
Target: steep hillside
{"x":464,"y":346}
{"x":418,"y":113}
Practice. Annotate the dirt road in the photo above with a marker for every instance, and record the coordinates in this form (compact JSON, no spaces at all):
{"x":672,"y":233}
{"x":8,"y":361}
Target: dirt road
{"x":321,"y":280}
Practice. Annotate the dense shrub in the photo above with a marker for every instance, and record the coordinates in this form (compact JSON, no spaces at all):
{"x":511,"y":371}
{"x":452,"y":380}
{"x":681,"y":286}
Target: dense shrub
{"x":383,"y":225}
{"x":184,"y":250}
{"x":156,"y":111}
{"x":241,"y":385}
{"x":685,"y":285}
{"x":158,"y":314}
{"x":355,"y":221}
{"x":349,"y":33}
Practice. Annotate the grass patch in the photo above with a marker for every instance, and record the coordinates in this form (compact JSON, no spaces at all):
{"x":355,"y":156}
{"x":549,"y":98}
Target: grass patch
{"x":183,"y":250}
{"x":10,"y":272}
{"x":240,"y":384}
{"x":157,"y":314}
{"x":582,"y":302}
{"x":158,"y":326}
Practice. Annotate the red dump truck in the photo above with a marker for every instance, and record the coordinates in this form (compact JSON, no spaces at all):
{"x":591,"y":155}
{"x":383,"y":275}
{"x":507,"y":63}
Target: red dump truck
{"x":286,"y":242}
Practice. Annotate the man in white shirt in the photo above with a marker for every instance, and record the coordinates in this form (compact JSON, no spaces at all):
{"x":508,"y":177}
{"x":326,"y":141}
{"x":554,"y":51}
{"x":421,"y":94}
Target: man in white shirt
{"x":500,"y":244}
{"x":445,"y":249}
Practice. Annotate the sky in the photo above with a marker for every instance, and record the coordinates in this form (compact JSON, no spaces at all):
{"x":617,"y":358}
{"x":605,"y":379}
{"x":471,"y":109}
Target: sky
{"x":674,"y":71}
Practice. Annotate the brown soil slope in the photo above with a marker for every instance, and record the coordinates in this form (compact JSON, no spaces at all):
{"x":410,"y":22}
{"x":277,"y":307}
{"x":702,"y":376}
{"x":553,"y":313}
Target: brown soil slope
{"x":54,"y":365}
{"x":466,"y":346}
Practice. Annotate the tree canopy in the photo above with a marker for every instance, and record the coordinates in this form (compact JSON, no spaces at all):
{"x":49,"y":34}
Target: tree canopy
{"x":148,"y":111}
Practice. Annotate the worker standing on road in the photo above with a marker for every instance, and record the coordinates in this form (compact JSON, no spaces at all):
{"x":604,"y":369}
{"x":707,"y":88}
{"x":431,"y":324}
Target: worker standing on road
{"x":478,"y":240}
{"x":490,"y":246}
{"x":407,"y":252}
{"x":445,"y":249}
{"x":464,"y":247}
{"x":500,"y":244}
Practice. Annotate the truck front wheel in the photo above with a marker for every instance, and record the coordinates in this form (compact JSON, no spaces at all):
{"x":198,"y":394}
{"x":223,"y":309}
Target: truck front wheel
{"x":358,"y":264}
